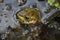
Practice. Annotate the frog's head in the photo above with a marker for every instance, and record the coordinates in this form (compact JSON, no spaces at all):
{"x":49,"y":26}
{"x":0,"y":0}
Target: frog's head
{"x":28,"y":16}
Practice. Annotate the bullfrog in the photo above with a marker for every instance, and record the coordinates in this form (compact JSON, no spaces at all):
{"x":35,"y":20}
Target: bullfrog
{"x":28,"y":16}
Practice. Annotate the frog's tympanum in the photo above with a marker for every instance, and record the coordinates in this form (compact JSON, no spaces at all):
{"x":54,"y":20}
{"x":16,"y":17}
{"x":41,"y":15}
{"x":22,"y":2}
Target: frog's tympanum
{"x":28,"y":16}
{"x":55,"y":3}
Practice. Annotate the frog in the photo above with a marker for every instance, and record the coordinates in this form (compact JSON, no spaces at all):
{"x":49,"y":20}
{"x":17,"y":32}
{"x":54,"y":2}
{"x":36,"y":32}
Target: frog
{"x":28,"y":16}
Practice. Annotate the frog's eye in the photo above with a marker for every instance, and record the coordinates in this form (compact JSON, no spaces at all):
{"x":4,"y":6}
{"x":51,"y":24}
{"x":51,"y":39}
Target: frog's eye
{"x":26,"y":17}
